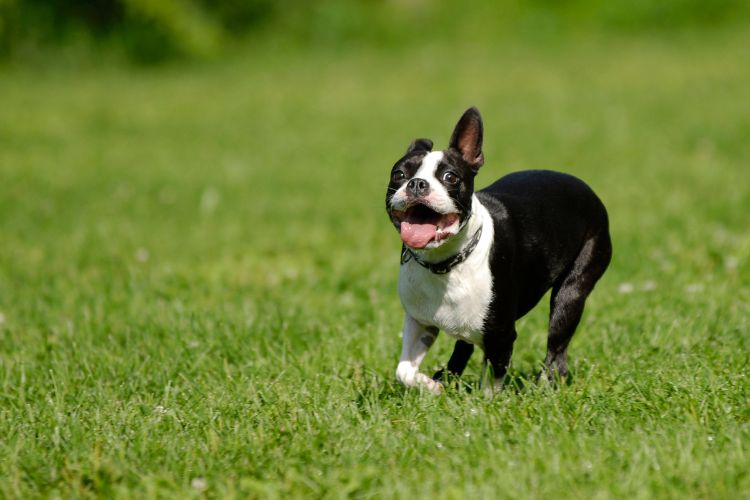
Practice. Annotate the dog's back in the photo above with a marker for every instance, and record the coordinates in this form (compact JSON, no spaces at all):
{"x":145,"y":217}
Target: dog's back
{"x":545,"y":218}
{"x":475,"y":262}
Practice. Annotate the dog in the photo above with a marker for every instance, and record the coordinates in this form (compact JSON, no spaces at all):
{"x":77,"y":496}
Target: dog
{"x":472,"y":263}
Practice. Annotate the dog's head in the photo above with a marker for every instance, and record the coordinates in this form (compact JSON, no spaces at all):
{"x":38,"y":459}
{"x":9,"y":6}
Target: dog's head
{"x":430,"y":192}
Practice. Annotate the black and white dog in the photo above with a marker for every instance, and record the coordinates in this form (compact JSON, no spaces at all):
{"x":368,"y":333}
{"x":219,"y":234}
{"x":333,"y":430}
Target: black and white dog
{"x":472,"y":263}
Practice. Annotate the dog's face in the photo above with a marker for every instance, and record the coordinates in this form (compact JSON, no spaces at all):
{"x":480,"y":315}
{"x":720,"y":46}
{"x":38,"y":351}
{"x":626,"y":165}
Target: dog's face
{"x":430,"y":192}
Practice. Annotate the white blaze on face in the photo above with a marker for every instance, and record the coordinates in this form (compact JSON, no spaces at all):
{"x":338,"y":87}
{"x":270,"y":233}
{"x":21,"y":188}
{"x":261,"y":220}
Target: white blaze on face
{"x":427,"y":221}
{"x":438,"y":199}
{"x":429,"y":165}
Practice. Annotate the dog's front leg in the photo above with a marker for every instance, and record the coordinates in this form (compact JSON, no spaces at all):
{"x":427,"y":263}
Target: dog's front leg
{"x":417,"y":340}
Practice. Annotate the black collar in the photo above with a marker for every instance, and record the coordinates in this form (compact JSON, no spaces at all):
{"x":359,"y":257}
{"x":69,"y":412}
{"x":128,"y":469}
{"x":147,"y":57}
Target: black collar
{"x":444,"y":266}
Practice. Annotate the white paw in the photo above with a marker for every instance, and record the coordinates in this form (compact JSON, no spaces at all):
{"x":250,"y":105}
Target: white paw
{"x":408,"y":375}
{"x":434,"y":386}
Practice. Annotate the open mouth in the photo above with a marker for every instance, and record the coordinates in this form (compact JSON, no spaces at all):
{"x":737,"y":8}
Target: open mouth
{"x":419,"y":225}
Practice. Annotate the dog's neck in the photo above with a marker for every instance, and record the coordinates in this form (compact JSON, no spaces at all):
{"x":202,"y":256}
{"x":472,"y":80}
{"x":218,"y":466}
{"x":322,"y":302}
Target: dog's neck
{"x":454,"y":244}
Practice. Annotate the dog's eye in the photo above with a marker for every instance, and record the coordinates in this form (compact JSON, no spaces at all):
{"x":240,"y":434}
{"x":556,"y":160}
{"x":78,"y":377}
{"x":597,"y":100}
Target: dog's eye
{"x":450,"y":178}
{"x":398,"y":176}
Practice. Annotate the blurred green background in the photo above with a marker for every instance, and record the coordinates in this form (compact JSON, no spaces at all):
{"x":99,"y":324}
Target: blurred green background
{"x":150,"y":31}
{"x":198,"y":277}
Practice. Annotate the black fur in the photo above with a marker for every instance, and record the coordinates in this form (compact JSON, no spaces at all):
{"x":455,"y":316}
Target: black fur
{"x":551,"y":232}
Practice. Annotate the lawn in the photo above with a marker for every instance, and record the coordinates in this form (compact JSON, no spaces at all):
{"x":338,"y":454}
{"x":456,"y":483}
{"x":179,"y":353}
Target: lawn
{"x":198,"y":277}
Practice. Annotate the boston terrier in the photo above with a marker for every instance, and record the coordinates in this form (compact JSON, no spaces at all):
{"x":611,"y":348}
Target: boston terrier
{"x":472,"y":263}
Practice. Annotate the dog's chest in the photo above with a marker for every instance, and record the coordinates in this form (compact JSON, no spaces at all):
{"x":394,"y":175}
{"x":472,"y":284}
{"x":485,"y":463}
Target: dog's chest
{"x":456,"y":302}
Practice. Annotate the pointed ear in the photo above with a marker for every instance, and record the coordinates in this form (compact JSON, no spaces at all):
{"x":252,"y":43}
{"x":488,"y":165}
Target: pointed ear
{"x":420,"y":145}
{"x":467,"y":138}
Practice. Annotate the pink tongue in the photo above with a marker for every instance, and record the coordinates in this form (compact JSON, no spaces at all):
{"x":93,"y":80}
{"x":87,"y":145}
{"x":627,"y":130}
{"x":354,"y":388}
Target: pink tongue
{"x":417,"y":235}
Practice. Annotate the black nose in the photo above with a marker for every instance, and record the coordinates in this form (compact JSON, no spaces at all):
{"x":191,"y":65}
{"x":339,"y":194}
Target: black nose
{"x":418,"y":187}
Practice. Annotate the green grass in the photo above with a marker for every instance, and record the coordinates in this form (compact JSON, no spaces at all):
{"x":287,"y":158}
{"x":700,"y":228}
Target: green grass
{"x":198,"y":278}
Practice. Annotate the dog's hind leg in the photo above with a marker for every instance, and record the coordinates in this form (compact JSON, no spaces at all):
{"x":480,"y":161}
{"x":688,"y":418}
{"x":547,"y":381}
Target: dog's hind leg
{"x":569,"y":297}
{"x":416,"y":341}
{"x":462,"y":351}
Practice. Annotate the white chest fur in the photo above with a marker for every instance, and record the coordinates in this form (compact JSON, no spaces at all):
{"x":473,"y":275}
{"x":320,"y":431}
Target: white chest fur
{"x":457,"y":302}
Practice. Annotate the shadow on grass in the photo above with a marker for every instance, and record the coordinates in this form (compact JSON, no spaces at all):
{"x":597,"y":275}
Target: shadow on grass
{"x":517,"y":381}
{"x":379,"y":390}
